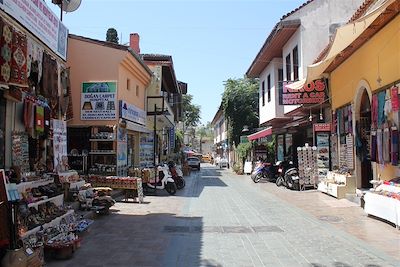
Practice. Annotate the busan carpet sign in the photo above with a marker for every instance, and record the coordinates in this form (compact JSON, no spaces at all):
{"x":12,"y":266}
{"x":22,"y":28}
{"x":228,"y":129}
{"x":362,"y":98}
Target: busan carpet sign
{"x":312,"y":93}
{"x":98,"y":101}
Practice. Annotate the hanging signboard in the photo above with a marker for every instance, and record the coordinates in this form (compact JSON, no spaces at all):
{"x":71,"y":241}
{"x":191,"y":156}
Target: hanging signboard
{"x":38,"y":18}
{"x":98,"y":101}
{"x":322,"y":127}
{"x":312,"y":93}
{"x":172,"y":138}
{"x":131,"y":112}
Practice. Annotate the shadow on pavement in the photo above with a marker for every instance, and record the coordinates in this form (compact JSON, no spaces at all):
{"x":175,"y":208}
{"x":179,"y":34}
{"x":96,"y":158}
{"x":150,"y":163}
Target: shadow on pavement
{"x":122,"y":239}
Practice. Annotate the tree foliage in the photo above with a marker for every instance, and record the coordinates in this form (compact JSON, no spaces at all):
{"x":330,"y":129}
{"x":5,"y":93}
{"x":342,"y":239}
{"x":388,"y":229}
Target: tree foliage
{"x":240,"y":105}
{"x":112,"y":36}
{"x":191,"y":112}
{"x":205,"y":131}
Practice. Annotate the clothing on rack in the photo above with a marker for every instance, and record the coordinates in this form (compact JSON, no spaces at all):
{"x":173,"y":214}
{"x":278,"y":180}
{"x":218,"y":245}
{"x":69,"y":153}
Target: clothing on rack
{"x":379,"y":136}
{"x":381,"y":107}
{"x":374,"y":111}
{"x":386,"y":144}
{"x":394,"y":91}
{"x":373,"y":146}
{"x":394,"y":133}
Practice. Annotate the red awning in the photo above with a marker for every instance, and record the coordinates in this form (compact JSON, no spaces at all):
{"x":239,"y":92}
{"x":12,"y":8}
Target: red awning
{"x":260,"y":134}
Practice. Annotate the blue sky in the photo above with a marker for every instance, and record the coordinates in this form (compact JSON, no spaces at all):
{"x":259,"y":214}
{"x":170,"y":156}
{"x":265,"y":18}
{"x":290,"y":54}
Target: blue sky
{"x":209,"y":41}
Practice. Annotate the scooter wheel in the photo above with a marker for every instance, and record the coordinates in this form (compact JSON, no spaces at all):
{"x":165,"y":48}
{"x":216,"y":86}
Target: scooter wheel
{"x":171,"y":188}
{"x":257,"y":178}
{"x":180,"y":183}
{"x":279,"y":181}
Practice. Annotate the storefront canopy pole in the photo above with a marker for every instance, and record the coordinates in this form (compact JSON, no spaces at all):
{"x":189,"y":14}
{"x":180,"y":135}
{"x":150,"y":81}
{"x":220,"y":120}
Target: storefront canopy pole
{"x":154,"y":147}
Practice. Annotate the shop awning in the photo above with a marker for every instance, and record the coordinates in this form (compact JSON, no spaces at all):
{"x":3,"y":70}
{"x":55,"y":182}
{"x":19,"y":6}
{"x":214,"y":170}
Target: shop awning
{"x":260,"y":134}
{"x":136,"y":127}
{"x":344,"y":37}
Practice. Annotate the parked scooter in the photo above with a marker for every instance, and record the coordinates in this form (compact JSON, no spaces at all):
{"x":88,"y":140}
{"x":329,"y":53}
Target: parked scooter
{"x":265,"y":170}
{"x":177,"y":175}
{"x":165,"y":180}
{"x":288,"y":175}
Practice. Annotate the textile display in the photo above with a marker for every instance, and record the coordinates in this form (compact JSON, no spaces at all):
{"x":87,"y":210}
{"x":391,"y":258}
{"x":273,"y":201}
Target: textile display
{"x":350,"y":119}
{"x":373,"y":146}
{"x":394,"y":91}
{"x":381,"y":107}
{"x":6,"y":31}
{"x":49,"y":84}
{"x":386,"y":144}
{"x":19,"y":60}
{"x":374,"y":111}
{"x":39,"y":119}
{"x":34,"y":62}
{"x":388,"y":106}
{"x":379,"y":136}
{"x":346,"y":119}
{"x":394,"y":146}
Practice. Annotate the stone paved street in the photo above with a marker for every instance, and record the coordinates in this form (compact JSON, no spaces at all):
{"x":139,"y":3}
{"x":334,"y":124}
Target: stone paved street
{"x":222,"y":219}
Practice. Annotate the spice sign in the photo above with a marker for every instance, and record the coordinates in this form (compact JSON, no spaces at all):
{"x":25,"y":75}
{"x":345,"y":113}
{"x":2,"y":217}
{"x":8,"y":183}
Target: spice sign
{"x":38,"y":18}
{"x":312,"y":93}
{"x":98,"y":101}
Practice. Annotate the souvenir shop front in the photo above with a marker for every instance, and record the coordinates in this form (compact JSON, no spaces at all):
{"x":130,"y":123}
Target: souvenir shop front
{"x":34,"y":101}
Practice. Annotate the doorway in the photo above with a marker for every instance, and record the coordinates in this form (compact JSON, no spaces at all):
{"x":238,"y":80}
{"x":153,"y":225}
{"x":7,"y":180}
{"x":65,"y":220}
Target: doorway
{"x":363,"y":134}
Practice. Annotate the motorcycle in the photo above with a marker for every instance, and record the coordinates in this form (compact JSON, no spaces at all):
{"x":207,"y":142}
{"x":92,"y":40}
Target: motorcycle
{"x":165,"y":180}
{"x":177,"y":175}
{"x":288,"y":176}
{"x":265,"y":170}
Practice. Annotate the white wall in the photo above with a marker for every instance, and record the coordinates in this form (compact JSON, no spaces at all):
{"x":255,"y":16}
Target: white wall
{"x":271,"y":109}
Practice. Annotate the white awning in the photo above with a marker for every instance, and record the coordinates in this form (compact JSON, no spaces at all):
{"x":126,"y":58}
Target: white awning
{"x":344,"y":36}
{"x":136,"y":127}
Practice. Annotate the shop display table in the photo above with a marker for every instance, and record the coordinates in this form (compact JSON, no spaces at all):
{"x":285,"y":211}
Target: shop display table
{"x":382,"y":206}
{"x":337,"y":185}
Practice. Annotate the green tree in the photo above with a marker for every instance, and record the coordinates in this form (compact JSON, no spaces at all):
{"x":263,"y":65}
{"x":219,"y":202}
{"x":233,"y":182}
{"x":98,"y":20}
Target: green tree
{"x":112,"y":36}
{"x":191,"y":112}
{"x":240,"y":105}
{"x":204,"y":132}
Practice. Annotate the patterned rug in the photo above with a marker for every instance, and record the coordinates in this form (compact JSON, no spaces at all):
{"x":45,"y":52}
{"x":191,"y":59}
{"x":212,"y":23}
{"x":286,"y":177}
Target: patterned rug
{"x":19,"y":74}
{"x":6,"y":36}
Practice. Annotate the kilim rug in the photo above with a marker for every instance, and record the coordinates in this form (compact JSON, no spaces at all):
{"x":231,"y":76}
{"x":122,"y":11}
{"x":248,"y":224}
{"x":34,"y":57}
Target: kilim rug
{"x":6,"y":36}
{"x":19,"y":74}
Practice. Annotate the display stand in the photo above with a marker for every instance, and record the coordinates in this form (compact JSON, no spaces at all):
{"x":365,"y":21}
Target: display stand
{"x":337,"y":185}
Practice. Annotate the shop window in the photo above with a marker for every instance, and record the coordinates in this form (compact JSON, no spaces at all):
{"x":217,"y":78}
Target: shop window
{"x":280,"y":84}
{"x":269,"y":87}
{"x":288,"y":68}
{"x":128,"y":84}
{"x":263,"y":93}
{"x":296,"y":63}
{"x":137,"y":90}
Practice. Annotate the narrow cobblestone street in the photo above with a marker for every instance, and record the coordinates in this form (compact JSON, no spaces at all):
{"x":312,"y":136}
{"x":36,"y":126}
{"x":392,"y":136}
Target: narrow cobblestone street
{"x":221,"y":219}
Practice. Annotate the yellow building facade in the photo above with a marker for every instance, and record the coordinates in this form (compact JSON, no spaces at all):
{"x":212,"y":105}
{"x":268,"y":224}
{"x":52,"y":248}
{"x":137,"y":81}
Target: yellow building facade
{"x":373,"y":68}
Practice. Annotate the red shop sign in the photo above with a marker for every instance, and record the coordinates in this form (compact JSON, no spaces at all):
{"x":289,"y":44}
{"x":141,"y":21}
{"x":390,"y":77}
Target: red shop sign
{"x":322,"y":127}
{"x":312,"y":93}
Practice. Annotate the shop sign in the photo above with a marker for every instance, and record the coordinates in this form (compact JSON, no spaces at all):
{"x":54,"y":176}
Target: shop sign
{"x":172,"y":138}
{"x":312,"y":93}
{"x":322,"y":127}
{"x":244,"y":139}
{"x":131,"y":113}
{"x":98,"y":101}
{"x":38,"y":18}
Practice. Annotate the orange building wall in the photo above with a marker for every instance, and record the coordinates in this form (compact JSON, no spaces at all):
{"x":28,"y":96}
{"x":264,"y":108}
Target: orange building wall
{"x":93,"y":62}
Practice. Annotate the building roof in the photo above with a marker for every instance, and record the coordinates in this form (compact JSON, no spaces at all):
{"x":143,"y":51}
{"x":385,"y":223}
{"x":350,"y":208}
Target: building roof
{"x":217,"y":115}
{"x":272,"y":46}
{"x":168,"y":71}
{"x":114,"y":46}
{"x":384,"y":18}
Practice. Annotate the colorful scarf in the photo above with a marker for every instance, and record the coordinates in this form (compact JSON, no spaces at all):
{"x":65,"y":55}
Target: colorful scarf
{"x":394,"y":91}
{"x":394,"y":148}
